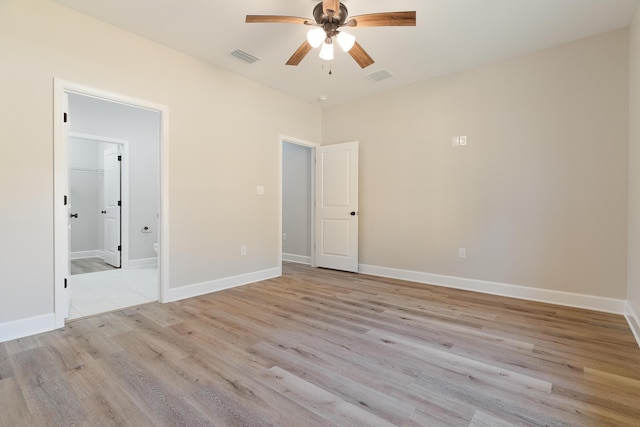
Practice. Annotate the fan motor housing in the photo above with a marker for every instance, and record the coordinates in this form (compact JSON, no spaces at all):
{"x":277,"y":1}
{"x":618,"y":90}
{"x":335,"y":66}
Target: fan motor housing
{"x":340,"y":16}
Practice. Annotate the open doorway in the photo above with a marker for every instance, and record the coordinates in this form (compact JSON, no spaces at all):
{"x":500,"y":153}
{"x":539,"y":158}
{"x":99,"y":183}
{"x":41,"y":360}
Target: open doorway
{"x":320,"y":204}
{"x":110,"y":153}
{"x":98,"y":193}
{"x":297,"y":201}
{"x":113,"y":152}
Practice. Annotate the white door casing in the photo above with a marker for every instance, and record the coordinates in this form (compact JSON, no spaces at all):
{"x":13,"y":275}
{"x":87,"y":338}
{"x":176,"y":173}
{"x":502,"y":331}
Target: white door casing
{"x":112,"y":201}
{"x":61,"y":189}
{"x":337,"y":206}
{"x":63,"y":244}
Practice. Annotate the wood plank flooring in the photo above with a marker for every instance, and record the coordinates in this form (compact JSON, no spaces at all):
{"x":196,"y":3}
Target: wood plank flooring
{"x":317,"y":348}
{"x":89,"y":265}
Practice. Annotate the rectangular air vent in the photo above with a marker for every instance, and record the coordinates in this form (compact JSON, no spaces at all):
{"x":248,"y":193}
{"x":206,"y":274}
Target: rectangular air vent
{"x":244,"y":56}
{"x":377,"y":76}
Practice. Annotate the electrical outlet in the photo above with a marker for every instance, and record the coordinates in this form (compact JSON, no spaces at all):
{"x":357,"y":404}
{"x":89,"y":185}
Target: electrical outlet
{"x":458,"y":141}
{"x":243,"y":250}
{"x":462,"y":253}
{"x":284,"y":236}
{"x":260,"y":190}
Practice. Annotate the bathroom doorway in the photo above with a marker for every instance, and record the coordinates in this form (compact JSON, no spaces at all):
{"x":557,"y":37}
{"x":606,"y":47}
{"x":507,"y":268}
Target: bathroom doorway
{"x":297,"y":168}
{"x":114,"y":225}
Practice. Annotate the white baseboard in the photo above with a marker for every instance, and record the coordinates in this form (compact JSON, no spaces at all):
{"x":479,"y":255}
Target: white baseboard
{"x":590,"y":302}
{"x":25,"y":327}
{"x":85,"y":254}
{"x":143,"y":262}
{"x":197,"y":289}
{"x":634,"y":321}
{"x":300,"y":259}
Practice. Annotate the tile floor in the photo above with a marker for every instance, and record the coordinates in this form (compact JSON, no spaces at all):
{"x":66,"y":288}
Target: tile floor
{"x":94,"y":293}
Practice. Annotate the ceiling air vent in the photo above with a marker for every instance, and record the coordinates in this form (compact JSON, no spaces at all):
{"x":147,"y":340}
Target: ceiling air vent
{"x":377,"y":76}
{"x":244,"y":56}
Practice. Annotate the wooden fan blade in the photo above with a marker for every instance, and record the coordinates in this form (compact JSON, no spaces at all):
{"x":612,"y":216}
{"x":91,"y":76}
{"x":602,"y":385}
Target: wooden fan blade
{"x":330,"y":5}
{"x":388,"y":19}
{"x":299,"y":54}
{"x":360,"y":56}
{"x":277,"y":19}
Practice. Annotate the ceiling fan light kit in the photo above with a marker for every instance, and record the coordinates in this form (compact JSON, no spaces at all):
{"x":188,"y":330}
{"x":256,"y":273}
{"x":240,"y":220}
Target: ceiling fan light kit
{"x":346,"y":41}
{"x":326,"y":52}
{"x":329,"y":16}
{"x":316,"y":36}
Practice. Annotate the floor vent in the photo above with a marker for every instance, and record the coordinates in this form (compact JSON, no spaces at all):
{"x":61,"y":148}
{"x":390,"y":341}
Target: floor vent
{"x":377,"y":76}
{"x":244,"y":56}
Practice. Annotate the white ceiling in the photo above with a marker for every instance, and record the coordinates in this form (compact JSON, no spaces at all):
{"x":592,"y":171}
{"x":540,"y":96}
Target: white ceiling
{"x":451,"y":35}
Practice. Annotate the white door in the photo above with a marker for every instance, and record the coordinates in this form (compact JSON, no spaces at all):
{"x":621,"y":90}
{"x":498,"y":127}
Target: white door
{"x":112,"y":206}
{"x":337,"y":206}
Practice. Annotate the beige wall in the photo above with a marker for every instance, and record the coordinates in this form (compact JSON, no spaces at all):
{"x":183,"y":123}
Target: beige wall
{"x":633,"y":286}
{"x":539,"y":196}
{"x":224,"y":141}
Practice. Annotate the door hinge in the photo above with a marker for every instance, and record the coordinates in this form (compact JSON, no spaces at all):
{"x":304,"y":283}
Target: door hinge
{"x":65,"y":201}
{"x":65,"y":283}
{"x":119,"y":248}
{"x":64,"y":117}
{"x":119,"y":158}
{"x":119,"y":203}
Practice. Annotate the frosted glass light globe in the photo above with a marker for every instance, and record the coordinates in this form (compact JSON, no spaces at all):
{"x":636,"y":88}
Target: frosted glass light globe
{"x":346,"y":41}
{"x":315,"y":37}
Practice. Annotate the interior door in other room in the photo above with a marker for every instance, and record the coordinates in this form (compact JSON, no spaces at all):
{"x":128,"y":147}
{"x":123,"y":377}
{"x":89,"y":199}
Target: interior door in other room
{"x":337,"y":206}
{"x":112,"y":210}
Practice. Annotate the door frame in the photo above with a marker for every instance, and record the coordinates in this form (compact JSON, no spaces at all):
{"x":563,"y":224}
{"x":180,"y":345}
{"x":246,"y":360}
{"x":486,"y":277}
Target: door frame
{"x":312,"y":145}
{"x":61,"y":186}
{"x":124,"y":188}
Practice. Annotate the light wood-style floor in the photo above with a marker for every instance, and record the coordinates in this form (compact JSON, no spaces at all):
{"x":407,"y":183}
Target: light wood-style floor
{"x":89,"y":265}
{"x":318,"y":348}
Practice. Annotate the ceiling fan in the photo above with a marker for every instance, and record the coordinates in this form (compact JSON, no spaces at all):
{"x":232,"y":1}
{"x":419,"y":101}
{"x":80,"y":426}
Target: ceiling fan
{"x":328,"y":17}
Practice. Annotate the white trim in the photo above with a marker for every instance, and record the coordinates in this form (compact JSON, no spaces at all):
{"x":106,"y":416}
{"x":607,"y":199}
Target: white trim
{"x":569,"y":299}
{"x":143,"y":262}
{"x":60,"y":211}
{"x":85,"y":254}
{"x":297,"y":141}
{"x":312,"y":145}
{"x":25,"y":327}
{"x":633,"y":319}
{"x":100,"y":138}
{"x":61,"y":256}
{"x":197,"y":289}
{"x":300,"y":259}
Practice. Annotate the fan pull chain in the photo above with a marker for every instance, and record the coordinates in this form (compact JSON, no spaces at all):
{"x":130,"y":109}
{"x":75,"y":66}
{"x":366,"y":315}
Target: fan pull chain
{"x":330,"y":70}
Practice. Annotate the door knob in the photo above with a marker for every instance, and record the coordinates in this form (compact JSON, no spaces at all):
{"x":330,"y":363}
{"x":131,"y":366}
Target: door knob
{"x":75,"y":215}
{"x":103,"y":212}
{"x":352,"y":214}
